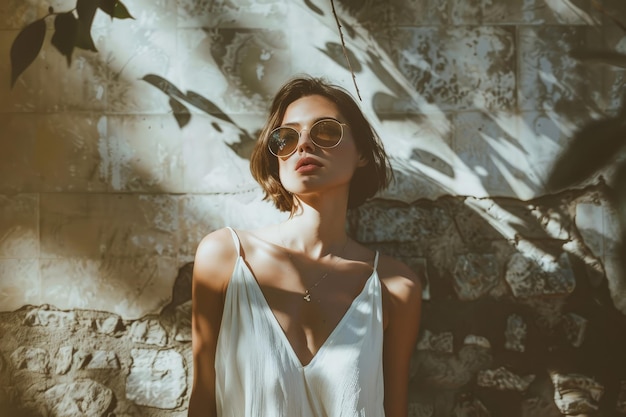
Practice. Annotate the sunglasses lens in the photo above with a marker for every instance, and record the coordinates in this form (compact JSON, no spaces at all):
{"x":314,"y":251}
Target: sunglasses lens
{"x":283,"y":141}
{"x":326,"y":133}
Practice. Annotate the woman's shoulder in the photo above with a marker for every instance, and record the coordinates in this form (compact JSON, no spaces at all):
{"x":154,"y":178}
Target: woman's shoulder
{"x":219,"y":242}
{"x":399,"y":279}
{"x":215,"y":257}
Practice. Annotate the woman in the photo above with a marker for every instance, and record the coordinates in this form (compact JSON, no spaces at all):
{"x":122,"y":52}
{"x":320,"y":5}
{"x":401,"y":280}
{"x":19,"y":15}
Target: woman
{"x":297,"y":319}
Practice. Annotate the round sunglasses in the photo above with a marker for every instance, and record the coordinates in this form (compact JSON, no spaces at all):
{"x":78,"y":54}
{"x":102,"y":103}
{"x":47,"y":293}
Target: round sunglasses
{"x":325,"y":133}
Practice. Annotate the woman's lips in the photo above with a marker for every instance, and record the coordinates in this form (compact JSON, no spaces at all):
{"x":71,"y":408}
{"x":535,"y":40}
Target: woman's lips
{"x":305,"y":169}
{"x":306,"y":164}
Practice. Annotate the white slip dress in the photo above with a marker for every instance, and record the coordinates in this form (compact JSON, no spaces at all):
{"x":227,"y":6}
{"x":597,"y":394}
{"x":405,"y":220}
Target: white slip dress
{"x":258,"y":374}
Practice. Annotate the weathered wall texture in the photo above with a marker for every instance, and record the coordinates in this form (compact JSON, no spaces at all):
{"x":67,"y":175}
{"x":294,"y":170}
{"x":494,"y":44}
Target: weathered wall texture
{"x":103,"y":197}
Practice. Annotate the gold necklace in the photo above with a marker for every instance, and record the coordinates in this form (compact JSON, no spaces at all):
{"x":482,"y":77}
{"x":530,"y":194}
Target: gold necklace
{"x":307,"y":291}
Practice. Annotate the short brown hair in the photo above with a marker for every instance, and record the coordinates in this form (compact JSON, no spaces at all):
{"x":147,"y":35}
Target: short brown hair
{"x":367,"y":180}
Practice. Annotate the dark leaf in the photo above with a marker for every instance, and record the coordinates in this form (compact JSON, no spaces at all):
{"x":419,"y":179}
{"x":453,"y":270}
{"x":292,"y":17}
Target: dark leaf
{"x":591,"y":149}
{"x":206,"y":106}
{"x":313,"y":7}
{"x":164,"y":85}
{"x":181,"y":113}
{"x":601,"y":56}
{"x":86,"y":10}
{"x":115,"y":9}
{"x":64,"y":38}
{"x":25,"y":47}
{"x":244,"y":147}
{"x":121,"y":12}
{"x":335,"y":52}
{"x":374,"y":63}
{"x":84,"y":39}
{"x":217,"y":127}
{"x":108,"y":6}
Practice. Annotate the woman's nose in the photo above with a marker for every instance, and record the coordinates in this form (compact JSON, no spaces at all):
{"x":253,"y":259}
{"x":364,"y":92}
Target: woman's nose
{"x":305,"y":143}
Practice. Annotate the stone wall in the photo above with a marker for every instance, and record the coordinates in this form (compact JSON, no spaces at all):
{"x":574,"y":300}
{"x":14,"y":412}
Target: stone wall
{"x":506,"y":331}
{"x":104,"y":194}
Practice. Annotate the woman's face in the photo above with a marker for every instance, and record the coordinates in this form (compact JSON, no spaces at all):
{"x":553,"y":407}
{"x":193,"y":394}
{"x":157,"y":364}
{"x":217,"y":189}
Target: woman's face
{"x":310,"y":169}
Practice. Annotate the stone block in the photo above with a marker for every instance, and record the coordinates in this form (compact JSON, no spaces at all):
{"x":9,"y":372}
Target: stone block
{"x":549,"y":77}
{"x":541,"y":12}
{"x":131,"y":287}
{"x":142,"y":153}
{"x":576,"y":394}
{"x":491,"y":152}
{"x":548,"y":277}
{"x":575,"y":329}
{"x":380,"y":16}
{"x":467,"y":406}
{"x":245,"y":13}
{"x":134,"y":52}
{"x":393,"y":222}
{"x":480,"y":222}
{"x":157,"y":378}
{"x":515,"y":333}
{"x":542,"y":137}
{"x":503,"y":379}
{"x":149,"y":332}
{"x":20,"y":283}
{"x":451,"y":371}
{"x":481,"y":12}
{"x":451,"y":75}
{"x":63,"y":360}
{"x":18,"y":167}
{"x":476,"y":340}
{"x":111,"y":325}
{"x":202,"y":214}
{"x":422,"y":155}
{"x":108,"y":225}
{"x":51,"y":318}
{"x":475,"y":275}
{"x":103,"y":359}
{"x":84,"y":397}
{"x":210,"y":153}
{"x":52,"y":152}
{"x":254,"y":63}
{"x":32,"y":359}
{"x":441,"y":342}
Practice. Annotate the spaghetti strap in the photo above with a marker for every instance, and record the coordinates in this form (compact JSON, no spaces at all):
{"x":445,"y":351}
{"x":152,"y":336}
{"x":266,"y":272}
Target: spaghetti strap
{"x":235,"y":239}
{"x":376,"y":261}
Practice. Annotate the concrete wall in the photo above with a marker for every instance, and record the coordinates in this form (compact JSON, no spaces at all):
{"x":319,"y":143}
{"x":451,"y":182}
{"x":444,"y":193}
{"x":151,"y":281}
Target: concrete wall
{"x":104,"y":197}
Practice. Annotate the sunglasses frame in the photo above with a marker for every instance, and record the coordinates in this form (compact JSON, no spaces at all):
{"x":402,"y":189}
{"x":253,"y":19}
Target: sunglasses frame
{"x":341,"y":125}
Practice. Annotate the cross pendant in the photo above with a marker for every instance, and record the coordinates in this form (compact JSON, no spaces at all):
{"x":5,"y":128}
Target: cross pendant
{"x":307,"y":296}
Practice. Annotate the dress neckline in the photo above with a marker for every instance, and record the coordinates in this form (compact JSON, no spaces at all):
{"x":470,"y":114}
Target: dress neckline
{"x":279,"y":329}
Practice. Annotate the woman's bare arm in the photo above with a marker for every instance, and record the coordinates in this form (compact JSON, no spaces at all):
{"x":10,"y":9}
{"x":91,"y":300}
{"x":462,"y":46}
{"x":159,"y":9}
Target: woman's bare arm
{"x":213,"y":266}
{"x":403,"y":307}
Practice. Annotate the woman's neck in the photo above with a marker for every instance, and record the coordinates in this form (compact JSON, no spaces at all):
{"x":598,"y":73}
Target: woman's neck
{"x":315,"y":230}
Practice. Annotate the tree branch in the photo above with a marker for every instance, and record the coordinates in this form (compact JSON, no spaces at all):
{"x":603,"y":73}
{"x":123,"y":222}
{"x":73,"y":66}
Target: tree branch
{"x":345,"y":52}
